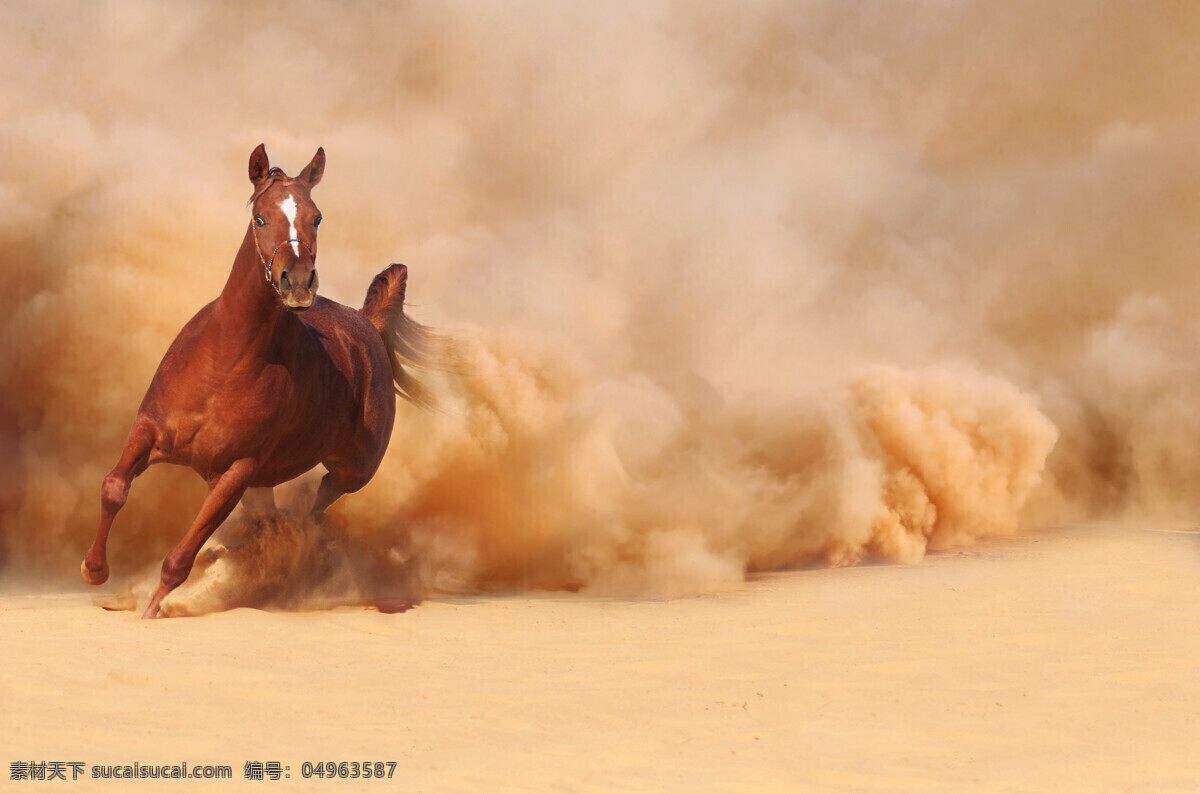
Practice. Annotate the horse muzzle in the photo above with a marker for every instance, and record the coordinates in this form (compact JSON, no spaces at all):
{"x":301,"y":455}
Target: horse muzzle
{"x":298,"y":287}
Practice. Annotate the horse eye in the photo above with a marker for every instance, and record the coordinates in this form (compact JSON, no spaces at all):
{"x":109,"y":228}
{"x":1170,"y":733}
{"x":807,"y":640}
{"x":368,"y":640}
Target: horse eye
{"x":258,"y":219}
{"x":316,"y":221}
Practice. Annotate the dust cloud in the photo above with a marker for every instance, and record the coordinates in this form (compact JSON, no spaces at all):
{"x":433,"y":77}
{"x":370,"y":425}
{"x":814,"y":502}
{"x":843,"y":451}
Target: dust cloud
{"x":740,"y":286}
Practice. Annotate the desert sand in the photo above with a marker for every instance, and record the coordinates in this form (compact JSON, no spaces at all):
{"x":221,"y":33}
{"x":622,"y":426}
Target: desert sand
{"x":1063,"y":660}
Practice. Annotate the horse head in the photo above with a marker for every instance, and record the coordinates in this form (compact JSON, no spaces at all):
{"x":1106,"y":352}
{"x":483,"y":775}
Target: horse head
{"x":284,"y":225}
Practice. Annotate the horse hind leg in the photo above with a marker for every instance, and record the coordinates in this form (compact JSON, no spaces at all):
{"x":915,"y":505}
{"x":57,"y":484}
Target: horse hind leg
{"x":336,"y":482}
{"x":328,"y":492}
{"x":223,"y":496}
{"x":114,"y":491}
{"x":260,"y":500}
{"x":384,"y":581}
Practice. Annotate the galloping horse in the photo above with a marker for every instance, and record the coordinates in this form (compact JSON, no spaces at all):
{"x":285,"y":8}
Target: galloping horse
{"x":269,"y":379}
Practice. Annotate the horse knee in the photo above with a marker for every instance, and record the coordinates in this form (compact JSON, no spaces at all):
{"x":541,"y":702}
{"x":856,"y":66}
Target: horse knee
{"x":114,"y":491}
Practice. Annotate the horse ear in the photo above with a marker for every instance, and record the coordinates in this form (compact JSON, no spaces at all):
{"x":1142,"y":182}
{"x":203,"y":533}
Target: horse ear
{"x":314,"y":170}
{"x":259,"y":166}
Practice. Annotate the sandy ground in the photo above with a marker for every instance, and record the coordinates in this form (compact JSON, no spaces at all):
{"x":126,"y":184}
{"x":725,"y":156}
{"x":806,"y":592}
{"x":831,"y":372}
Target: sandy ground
{"x":1061,"y":661}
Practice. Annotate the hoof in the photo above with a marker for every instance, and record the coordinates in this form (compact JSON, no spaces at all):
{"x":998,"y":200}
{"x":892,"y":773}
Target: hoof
{"x":155,"y":603}
{"x":94,"y":575}
{"x":393,"y":606}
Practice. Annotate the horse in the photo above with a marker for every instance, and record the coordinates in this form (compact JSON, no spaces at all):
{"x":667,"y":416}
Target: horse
{"x":270,"y":379}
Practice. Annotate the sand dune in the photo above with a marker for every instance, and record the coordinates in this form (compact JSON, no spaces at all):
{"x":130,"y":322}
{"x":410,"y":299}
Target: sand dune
{"x":1062,"y":661}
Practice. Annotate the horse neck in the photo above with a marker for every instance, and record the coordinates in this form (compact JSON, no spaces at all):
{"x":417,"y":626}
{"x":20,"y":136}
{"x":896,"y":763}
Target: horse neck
{"x":247,"y":312}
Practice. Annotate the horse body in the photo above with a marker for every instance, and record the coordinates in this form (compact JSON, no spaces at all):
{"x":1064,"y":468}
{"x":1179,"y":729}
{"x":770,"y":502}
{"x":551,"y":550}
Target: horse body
{"x":210,"y":410}
{"x":268,"y":380}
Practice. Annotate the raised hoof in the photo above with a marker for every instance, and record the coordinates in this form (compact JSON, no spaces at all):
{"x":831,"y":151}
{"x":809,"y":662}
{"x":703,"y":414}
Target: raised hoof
{"x":94,"y":576}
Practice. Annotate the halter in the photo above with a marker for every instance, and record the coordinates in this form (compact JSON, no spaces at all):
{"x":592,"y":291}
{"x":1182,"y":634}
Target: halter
{"x":269,"y":264}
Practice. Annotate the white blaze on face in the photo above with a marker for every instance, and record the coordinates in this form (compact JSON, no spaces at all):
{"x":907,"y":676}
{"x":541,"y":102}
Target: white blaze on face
{"x":289,"y":211}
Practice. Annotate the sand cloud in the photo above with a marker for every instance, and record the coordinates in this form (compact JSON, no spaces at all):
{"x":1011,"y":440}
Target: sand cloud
{"x":740,"y":287}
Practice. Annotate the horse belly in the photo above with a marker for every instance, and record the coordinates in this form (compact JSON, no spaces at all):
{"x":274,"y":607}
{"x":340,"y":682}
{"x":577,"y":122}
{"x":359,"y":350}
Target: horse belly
{"x":255,"y":425}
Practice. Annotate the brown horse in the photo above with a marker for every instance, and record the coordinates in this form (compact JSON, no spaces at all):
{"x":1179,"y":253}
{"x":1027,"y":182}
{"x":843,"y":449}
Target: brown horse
{"x":269,"y":379}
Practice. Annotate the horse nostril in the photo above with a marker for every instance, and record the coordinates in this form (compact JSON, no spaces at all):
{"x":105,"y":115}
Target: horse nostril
{"x":285,"y":283}
{"x":312,"y":278}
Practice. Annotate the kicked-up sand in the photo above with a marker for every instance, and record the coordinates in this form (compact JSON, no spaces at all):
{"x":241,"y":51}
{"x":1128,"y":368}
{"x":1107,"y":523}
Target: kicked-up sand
{"x":1059,"y":661}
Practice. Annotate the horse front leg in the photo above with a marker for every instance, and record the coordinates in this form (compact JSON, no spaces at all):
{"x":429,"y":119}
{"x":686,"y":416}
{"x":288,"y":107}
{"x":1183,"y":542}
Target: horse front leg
{"x":113,"y":493}
{"x":223,"y":495}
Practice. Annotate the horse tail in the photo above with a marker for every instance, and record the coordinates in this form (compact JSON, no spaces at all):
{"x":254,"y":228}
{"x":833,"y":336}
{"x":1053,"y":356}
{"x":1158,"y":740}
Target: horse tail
{"x":408,"y":342}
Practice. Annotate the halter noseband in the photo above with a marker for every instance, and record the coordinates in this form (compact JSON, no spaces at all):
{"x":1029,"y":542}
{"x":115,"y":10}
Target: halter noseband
{"x":269,"y":264}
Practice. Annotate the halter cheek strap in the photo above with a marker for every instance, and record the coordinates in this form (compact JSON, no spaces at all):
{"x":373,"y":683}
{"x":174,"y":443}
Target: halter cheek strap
{"x":268,"y":264}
